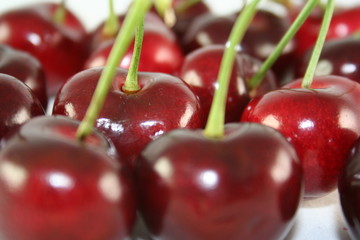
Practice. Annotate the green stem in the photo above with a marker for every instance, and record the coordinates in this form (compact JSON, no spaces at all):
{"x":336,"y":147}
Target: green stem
{"x":112,"y":24}
{"x":131,"y":84}
{"x":166,"y":11}
{"x":310,"y":71}
{"x":215,"y":123}
{"x":60,"y":13}
{"x":300,"y":19}
{"x":134,"y":16}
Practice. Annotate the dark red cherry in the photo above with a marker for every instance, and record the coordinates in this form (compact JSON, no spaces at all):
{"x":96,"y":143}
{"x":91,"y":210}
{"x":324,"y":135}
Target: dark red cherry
{"x":132,"y":120}
{"x":18,"y":105}
{"x":261,"y":38}
{"x":322,"y":123}
{"x":200,"y":71}
{"x":26,"y":68}
{"x":60,"y":50}
{"x":246,"y":185}
{"x":342,"y":25}
{"x":53,"y":186}
{"x":349,"y":192}
{"x":338,"y":57}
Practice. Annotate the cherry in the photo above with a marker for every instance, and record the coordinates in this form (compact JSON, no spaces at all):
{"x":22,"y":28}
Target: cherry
{"x":342,"y":25}
{"x":200,"y":71}
{"x":152,"y":21}
{"x":160,"y":53}
{"x":132,"y":119}
{"x":265,"y":31}
{"x":56,"y":187}
{"x":339,"y":57}
{"x":349,"y":192}
{"x":26,"y":68}
{"x":185,"y":15}
{"x":18,"y":105}
{"x":32,"y":30}
{"x":322,"y":123}
{"x":216,"y":188}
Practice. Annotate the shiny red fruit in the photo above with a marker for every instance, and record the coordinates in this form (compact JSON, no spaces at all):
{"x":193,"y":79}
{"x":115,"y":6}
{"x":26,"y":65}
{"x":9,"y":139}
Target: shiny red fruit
{"x":53,"y":186}
{"x":18,"y":105}
{"x":159,"y":53}
{"x":342,"y":25}
{"x":132,"y":120}
{"x":260,"y":39}
{"x":60,"y":50}
{"x":246,"y":185}
{"x":26,"y":68}
{"x":338,"y":57}
{"x":200,"y":70}
{"x":322,"y":123}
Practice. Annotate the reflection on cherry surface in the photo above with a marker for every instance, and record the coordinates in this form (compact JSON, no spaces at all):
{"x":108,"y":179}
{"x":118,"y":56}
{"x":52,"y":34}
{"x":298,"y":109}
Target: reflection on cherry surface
{"x":55,"y":187}
{"x":132,"y":120}
{"x":321,"y":122}
{"x":246,"y":185}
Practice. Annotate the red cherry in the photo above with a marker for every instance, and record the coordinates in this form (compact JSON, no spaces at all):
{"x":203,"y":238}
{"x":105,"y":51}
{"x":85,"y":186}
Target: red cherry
{"x":53,"y":186}
{"x":342,"y":25}
{"x":18,"y":105}
{"x":200,"y":71}
{"x":151,"y":21}
{"x":322,"y":123}
{"x":349,"y":192}
{"x":61,"y":50}
{"x":132,"y":120}
{"x":247,"y":185}
{"x":26,"y":68}
{"x":338,"y":57}
{"x":261,"y":38}
{"x":159,"y":54}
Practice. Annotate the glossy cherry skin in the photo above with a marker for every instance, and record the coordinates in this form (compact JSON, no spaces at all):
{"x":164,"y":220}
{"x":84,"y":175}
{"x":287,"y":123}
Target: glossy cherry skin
{"x":338,"y":57}
{"x":342,"y":25}
{"x":159,"y":53}
{"x":132,"y":120}
{"x":152,"y":21}
{"x":261,"y":38}
{"x":26,"y":68}
{"x":200,"y":70}
{"x":18,"y":105}
{"x":60,"y":50}
{"x":55,"y":187}
{"x":185,"y":17}
{"x":322,"y":123}
{"x":349,"y":192}
{"x":246,"y":185}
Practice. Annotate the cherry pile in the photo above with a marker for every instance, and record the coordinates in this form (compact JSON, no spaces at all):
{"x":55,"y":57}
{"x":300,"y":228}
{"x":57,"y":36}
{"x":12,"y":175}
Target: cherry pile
{"x":156,"y":153}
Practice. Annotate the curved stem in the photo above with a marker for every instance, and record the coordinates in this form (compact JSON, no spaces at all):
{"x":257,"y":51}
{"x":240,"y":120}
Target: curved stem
{"x":134,"y":16}
{"x":300,"y":19}
{"x":215,"y":123}
{"x":60,"y":13}
{"x":310,"y":71}
{"x":131,"y":84}
{"x":112,"y":24}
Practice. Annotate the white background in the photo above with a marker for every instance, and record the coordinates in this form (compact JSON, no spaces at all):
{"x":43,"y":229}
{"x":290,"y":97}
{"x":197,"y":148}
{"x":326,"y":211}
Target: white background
{"x":319,"y":219}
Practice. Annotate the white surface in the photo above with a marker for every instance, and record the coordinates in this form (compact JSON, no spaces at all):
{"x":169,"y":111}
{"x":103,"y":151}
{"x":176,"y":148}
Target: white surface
{"x":319,"y":219}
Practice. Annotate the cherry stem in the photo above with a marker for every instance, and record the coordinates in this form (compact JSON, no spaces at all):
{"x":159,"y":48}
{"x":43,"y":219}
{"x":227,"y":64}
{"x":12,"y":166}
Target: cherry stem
{"x":60,"y":13}
{"x":310,"y":71}
{"x":215,"y":123}
{"x":112,"y":24}
{"x":131,"y":84}
{"x":133,"y":18}
{"x":290,"y":33}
